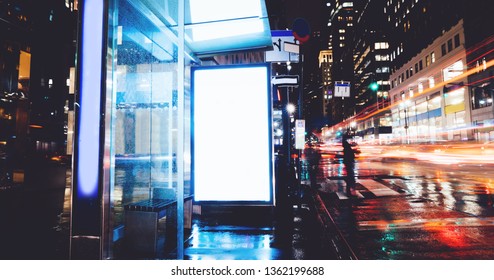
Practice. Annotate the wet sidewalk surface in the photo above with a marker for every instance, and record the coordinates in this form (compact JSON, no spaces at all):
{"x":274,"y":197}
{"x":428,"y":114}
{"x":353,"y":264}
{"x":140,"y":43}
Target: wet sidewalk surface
{"x":251,"y":233}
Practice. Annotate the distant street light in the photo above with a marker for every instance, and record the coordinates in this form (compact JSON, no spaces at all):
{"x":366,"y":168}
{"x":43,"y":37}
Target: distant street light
{"x":290,"y":108}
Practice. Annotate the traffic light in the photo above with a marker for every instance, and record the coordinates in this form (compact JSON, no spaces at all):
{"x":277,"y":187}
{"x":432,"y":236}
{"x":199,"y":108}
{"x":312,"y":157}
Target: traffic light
{"x":374,"y":86}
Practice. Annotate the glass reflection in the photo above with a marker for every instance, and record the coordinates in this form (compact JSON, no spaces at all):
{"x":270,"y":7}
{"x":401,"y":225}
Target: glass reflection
{"x":145,"y":123}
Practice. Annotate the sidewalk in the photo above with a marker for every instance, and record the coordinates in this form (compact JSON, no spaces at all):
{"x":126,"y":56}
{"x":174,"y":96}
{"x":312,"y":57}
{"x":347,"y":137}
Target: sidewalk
{"x":34,"y":222}
{"x":257,"y":233}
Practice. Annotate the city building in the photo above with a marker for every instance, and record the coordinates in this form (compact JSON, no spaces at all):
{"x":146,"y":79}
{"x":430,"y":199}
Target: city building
{"x":314,"y":95}
{"x":439,"y":56}
{"x":428,"y":98}
{"x":341,"y":18}
{"x":414,"y":24}
{"x":37,"y":50}
{"x":372,"y":67}
{"x":371,"y":58}
{"x":325,"y":64}
{"x":461,"y":62}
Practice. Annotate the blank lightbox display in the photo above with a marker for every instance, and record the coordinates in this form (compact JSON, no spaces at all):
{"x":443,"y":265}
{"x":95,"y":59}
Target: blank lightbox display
{"x":232,"y":154}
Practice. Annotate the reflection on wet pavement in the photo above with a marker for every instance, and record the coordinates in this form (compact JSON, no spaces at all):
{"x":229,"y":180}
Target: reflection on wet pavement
{"x":232,"y":243}
{"x":443,"y":212}
{"x":251,"y":233}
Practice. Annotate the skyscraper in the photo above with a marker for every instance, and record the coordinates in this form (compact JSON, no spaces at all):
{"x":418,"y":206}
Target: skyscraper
{"x":340,"y":23}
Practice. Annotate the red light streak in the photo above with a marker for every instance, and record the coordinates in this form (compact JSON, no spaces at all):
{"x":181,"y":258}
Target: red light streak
{"x":484,"y":43}
{"x":480,"y":57}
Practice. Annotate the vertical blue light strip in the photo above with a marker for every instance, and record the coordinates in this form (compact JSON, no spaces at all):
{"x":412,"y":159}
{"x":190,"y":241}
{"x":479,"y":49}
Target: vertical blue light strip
{"x":90,"y":99}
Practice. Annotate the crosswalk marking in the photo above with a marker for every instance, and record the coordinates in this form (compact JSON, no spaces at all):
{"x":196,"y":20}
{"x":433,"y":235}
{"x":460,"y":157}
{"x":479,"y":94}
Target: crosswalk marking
{"x":372,"y":189}
{"x":377,"y":188}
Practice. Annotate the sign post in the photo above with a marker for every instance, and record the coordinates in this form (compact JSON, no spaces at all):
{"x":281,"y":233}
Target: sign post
{"x":285,"y":80}
{"x":299,"y":134}
{"x":285,"y":47}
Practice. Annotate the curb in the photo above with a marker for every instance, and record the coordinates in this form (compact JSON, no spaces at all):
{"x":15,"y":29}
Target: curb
{"x":331,"y":234}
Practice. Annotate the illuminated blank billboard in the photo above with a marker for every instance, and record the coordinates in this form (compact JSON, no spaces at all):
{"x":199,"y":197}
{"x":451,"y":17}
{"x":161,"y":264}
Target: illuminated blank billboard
{"x":232,"y":158}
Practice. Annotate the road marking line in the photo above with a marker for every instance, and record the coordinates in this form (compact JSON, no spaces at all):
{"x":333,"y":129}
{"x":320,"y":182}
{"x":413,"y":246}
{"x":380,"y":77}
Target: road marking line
{"x":343,"y":196}
{"x":377,"y":188}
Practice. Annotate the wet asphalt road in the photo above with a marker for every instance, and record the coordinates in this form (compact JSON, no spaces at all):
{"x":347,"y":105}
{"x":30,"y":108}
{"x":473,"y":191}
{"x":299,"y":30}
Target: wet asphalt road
{"x":412,"y":209}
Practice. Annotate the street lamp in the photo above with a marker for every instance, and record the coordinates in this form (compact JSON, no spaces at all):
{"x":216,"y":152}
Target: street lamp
{"x":405,"y":105}
{"x":374,"y":86}
{"x":290,"y":108}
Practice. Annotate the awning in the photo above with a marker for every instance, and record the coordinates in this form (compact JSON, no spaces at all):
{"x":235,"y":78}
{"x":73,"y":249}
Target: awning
{"x":212,"y":27}
{"x":217,"y":26}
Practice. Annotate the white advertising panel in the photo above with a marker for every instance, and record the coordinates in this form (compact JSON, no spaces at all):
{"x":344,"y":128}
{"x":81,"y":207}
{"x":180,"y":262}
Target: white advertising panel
{"x":232,"y":158}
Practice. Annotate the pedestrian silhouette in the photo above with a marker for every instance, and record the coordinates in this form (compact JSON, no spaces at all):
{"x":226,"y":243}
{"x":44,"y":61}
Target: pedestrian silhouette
{"x":312,"y":157}
{"x":349,"y":163}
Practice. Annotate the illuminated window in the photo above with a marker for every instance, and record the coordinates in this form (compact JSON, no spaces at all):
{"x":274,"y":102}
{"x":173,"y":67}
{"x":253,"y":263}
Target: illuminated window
{"x":453,"y":70}
{"x":380,"y":57}
{"x":381,"y":45}
{"x":432,"y":83}
{"x":342,"y":31}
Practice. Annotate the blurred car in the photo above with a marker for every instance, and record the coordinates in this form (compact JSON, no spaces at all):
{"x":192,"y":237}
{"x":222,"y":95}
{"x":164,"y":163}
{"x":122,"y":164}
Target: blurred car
{"x":60,"y":159}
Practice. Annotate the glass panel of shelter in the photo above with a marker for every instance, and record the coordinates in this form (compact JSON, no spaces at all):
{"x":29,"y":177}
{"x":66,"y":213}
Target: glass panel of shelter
{"x":144,"y":130}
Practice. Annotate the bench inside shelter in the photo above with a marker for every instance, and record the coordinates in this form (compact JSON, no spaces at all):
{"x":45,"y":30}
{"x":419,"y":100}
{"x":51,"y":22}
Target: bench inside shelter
{"x":142,"y":220}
